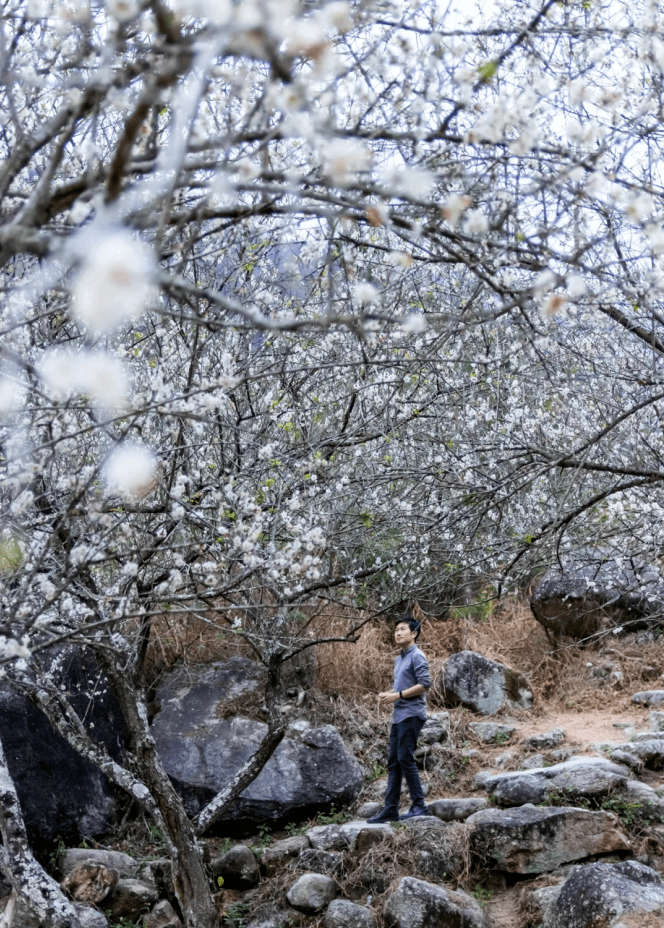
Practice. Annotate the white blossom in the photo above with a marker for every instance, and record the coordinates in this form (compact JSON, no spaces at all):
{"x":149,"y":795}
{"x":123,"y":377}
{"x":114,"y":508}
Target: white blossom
{"x":96,"y":373}
{"x":415,"y":322}
{"x":130,"y":471}
{"x":365,"y":292}
{"x":116,"y":282}
{"x":122,"y":10}
{"x":475,"y":222}
{"x":344,"y":160}
{"x":454,"y":206}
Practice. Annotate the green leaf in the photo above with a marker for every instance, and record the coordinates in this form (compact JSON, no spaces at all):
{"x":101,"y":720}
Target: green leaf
{"x":487,"y":70}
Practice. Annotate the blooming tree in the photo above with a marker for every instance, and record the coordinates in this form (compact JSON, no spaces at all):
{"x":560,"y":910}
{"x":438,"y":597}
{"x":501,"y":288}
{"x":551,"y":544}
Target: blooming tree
{"x":309,"y":304}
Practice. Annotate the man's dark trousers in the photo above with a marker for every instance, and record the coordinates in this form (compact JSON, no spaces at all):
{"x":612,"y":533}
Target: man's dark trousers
{"x":400,"y":762}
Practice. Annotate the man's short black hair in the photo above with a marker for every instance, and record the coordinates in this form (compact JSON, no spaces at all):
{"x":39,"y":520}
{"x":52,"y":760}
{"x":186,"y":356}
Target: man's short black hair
{"x":411,"y":622}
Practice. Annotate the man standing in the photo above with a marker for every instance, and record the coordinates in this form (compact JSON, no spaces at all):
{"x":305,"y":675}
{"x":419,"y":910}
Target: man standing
{"x":411,"y":681}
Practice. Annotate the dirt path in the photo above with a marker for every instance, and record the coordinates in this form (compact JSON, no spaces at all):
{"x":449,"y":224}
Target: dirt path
{"x":583,"y":729}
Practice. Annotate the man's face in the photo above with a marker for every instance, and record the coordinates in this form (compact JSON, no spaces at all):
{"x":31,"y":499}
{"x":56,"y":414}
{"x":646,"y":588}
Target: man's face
{"x":403,"y":635}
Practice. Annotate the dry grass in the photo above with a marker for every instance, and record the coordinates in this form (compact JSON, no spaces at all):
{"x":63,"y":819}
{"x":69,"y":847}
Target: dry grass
{"x":370,"y":877}
{"x":558,"y":672}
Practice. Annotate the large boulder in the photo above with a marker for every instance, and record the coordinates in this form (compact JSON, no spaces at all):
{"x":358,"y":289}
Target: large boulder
{"x":73,"y":857}
{"x":585,"y":598}
{"x":579,"y":778}
{"x":417,"y":904}
{"x":485,"y":686}
{"x":617,"y":895}
{"x":530,"y":840}
{"x":42,"y":764}
{"x":202,"y":751}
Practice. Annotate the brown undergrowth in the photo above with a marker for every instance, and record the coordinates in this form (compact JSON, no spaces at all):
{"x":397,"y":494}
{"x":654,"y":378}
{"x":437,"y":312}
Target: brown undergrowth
{"x":370,"y":876}
{"x":562,"y":673}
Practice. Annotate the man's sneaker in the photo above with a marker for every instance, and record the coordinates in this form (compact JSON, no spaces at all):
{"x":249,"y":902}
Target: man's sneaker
{"x":415,"y":811}
{"x":385,"y":815}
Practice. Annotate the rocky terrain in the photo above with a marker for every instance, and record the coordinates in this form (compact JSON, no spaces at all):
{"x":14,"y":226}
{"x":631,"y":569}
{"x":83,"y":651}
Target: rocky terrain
{"x":543,"y":776}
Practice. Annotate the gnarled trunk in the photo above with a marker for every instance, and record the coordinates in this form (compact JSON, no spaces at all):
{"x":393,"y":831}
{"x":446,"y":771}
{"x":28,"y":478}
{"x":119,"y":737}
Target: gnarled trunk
{"x":191,"y":883}
{"x":29,"y":880}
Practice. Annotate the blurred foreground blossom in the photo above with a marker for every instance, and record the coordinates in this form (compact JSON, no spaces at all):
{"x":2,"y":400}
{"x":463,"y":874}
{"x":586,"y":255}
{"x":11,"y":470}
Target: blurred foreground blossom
{"x":343,"y":160}
{"x":12,"y":396}
{"x":365,"y":293}
{"x":130,"y":471}
{"x":453,"y":206}
{"x":95,"y":373}
{"x":116,"y":282}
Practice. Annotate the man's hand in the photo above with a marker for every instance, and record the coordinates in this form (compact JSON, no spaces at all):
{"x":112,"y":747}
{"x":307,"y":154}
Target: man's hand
{"x":386,"y":699}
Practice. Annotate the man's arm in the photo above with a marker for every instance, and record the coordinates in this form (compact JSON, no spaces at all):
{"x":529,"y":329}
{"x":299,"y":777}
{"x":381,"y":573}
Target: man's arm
{"x":386,"y":698}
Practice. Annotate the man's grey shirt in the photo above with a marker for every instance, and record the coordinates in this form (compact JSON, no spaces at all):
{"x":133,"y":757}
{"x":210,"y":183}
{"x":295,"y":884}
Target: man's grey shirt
{"x":410,"y":668}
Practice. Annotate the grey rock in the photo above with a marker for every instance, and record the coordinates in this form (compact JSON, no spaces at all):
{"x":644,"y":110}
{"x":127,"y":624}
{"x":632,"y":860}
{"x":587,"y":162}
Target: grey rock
{"x":492,"y":731}
{"x":534,"y":762}
{"x":89,"y":917}
{"x":311,"y":893}
{"x":158,"y":873}
{"x":438,"y":849}
{"x":282,"y":852}
{"x":339,"y":837}
{"x":504,"y":760}
{"x":456,"y":810}
{"x":629,"y":759}
{"x":558,"y":755}
{"x":577,"y":778}
{"x":129,"y":899}
{"x":341,"y":913}
{"x":582,"y":599}
{"x":434,"y":731}
{"x":281,"y":918}
{"x":481,"y":778}
{"x":650,"y":752}
{"x":530,"y":840}
{"x":610,"y":895}
{"x":515,"y":791}
{"x":648,"y":697}
{"x":202,"y":752}
{"x":540,"y":901}
{"x":548,"y":739}
{"x":636,"y":791}
{"x":163,"y":915}
{"x":485,"y":686}
{"x":644,"y":736}
{"x":125,"y":865}
{"x":317,"y":860}
{"x":367,"y":809}
{"x":238,"y":868}
{"x":656,"y":720}
{"x":418,"y":904}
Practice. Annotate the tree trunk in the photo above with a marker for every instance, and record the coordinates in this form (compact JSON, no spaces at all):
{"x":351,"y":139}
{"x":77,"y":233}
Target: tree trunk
{"x":191,"y":883}
{"x":41,"y":893}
